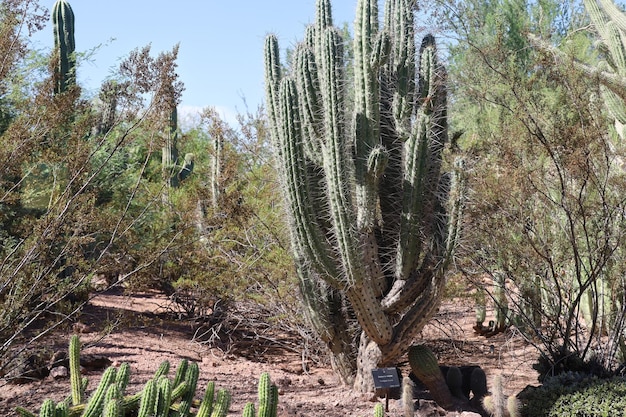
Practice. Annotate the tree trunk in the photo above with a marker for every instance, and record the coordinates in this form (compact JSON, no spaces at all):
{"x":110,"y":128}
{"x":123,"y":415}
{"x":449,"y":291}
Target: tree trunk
{"x":369,"y":358}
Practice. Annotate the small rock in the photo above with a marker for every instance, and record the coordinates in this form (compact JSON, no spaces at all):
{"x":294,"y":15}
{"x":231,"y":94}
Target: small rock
{"x":321,"y":381}
{"x":59,"y":372}
{"x":94,"y":362}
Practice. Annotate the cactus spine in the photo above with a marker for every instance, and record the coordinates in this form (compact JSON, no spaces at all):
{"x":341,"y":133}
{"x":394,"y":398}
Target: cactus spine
{"x":64,"y":45}
{"x":366,"y":192}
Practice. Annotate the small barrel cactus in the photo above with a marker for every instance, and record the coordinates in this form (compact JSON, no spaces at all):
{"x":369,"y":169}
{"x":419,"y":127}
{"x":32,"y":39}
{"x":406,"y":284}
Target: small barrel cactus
{"x":425,"y":366}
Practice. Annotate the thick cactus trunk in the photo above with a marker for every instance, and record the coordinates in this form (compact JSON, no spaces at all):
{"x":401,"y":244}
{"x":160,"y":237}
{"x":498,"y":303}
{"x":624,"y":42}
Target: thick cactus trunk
{"x":370,"y":212}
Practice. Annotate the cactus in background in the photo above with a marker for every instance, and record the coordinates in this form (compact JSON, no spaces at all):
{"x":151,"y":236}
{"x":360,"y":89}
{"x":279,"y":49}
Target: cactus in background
{"x":501,"y":302}
{"x":64,"y":46}
{"x":478,"y":386}
{"x":370,"y":211}
{"x":174,"y":174}
{"x":216,"y":169}
{"x":75,"y":378}
{"x":425,"y":367}
{"x":169,"y":155}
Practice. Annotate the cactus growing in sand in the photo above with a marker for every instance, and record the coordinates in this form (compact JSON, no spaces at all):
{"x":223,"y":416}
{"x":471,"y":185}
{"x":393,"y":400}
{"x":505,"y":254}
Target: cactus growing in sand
{"x":373,"y":217}
{"x":64,"y":46}
{"x":160,"y":396}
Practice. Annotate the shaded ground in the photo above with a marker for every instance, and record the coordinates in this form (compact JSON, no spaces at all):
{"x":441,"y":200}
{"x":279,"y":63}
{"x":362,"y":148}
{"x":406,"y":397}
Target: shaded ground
{"x":144,"y":339}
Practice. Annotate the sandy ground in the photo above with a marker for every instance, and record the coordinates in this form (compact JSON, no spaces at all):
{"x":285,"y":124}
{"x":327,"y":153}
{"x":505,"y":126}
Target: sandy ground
{"x":143,"y":339}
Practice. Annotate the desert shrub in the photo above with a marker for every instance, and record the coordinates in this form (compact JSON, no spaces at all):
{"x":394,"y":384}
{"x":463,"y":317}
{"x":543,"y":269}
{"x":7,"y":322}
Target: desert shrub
{"x":576,"y":394}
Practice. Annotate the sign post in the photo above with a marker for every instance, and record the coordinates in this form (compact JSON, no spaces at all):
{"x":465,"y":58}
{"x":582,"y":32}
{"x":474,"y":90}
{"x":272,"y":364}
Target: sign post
{"x":384,"y":380}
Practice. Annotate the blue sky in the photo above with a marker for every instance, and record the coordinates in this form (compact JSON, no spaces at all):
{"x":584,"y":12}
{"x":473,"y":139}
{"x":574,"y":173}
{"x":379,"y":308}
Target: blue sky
{"x":220,"y":59}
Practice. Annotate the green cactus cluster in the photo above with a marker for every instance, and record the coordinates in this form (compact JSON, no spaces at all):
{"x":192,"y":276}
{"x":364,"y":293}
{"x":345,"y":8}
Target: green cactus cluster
{"x":161,"y":396}
{"x":64,"y":46}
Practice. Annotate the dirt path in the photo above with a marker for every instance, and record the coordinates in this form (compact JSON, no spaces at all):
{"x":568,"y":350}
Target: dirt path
{"x":147,"y":341}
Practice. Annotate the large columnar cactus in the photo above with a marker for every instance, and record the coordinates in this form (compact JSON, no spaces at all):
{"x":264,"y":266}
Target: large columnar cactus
{"x":173,"y":173}
{"x":371,"y":213}
{"x":65,"y":65}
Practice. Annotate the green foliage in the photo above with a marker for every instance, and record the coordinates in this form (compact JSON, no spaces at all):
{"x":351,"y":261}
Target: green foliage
{"x":576,"y":394}
{"x":546,"y":221}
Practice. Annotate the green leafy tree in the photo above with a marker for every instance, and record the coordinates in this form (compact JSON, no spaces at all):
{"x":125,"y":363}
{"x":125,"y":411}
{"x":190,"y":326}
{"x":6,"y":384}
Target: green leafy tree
{"x":546,"y":217}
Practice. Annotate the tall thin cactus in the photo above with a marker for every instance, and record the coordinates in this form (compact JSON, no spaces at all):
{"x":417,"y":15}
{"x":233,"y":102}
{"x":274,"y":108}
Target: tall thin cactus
{"x":64,"y":46}
{"x":371,"y":213}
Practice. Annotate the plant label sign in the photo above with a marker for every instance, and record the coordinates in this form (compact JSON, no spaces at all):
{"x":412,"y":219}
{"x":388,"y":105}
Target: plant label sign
{"x":386,"y":378}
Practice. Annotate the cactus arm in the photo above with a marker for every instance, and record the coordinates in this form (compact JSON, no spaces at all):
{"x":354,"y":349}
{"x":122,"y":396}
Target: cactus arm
{"x":122,"y":378}
{"x":267,"y":408}
{"x":75,"y":378}
{"x":310,"y":102}
{"x":249,"y":410}
{"x":181,"y":370}
{"x":164,"y":396}
{"x":309,"y":240}
{"x":272,"y":83}
{"x":191,"y":377}
{"x":64,"y":44}
{"x":222,"y":403}
{"x":96,"y":402}
{"x":206,"y":406}
{"x":147,"y":405}
{"x":335,"y":161}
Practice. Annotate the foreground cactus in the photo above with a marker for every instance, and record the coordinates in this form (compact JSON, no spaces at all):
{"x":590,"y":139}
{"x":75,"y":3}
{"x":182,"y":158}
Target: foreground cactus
{"x":425,"y":367}
{"x":64,"y":46}
{"x":373,"y":219}
{"x":160,"y":397}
